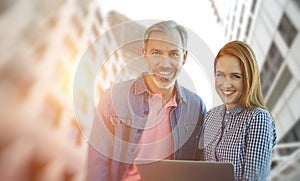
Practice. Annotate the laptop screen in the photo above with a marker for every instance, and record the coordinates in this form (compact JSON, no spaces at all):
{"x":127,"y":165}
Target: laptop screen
{"x":183,"y":170}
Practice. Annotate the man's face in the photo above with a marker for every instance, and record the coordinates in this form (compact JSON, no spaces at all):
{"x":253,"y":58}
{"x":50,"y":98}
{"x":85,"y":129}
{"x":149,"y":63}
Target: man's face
{"x":164,"y":57}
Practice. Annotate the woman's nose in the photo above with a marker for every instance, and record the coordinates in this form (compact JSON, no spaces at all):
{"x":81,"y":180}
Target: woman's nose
{"x":227,"y":82}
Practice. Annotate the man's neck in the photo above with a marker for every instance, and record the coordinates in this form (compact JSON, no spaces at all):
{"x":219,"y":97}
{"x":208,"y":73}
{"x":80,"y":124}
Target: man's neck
{"x":167,"y":94}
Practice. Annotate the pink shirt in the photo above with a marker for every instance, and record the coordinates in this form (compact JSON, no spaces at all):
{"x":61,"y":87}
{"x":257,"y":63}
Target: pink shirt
{"x":157,"y":140}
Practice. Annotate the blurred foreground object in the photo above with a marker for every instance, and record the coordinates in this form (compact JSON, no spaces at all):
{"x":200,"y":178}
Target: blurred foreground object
{"x":41,"y":43}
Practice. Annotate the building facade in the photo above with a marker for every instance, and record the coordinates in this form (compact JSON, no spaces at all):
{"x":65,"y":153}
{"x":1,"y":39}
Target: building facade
{"x":272,"y":28}
{"x":43,"y":44}
{"x":57,"y":58}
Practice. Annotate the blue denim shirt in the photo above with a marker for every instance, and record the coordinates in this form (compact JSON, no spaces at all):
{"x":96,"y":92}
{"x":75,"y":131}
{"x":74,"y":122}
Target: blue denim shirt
{"x":119,"y":122}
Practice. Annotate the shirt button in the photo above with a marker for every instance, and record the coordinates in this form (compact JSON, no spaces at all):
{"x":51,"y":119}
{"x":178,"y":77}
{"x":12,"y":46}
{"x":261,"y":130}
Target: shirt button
{"x":227,"y":112}
{"x":139,"y":131}
{"x":226,"y":120}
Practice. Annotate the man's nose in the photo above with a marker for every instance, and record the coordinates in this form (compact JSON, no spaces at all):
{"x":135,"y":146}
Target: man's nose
{"x":165,"y":61}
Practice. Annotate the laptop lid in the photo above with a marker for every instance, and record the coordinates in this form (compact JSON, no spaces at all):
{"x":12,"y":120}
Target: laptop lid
{"x":182,"y":170}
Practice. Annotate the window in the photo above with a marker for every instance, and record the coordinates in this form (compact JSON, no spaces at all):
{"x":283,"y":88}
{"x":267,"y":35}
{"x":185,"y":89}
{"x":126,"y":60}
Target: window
{"x":253,"y":6}
{"x":238,"y":33}
{"x":275,"y":56}
{"x":296,"y":129}
{"x":71,"y":47}
{"x":83,"y":7}
{"x":230,"y":37}
{"x":52,"y":111}
{"x":6,"y":4}
{"x":280,"y":86}
{"x":236,"y":5}
{"x":270,"y":68}
{"x":297,"y":2}
{"x":76,"y":22}
{"x":99,"y":17}
{"x":95,"y":31}
{"x":265,"y":83}
{"x":287,"y":30}
{"x":242,"y":14}
{"x":248,"y":26}
{"x":232,"y":23}
{"x":292,"y":136}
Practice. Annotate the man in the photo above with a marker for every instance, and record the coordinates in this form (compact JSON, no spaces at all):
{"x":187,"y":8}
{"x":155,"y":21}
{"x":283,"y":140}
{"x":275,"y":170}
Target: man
{"x":149,"y":117}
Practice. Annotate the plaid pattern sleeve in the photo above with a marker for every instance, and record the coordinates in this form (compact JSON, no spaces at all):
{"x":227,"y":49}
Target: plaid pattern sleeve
{"x":243,"y":137}
{"x":258,"y":146}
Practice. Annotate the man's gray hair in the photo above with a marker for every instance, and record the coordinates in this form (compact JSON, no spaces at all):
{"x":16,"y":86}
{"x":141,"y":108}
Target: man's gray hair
{"x":166,"y":27}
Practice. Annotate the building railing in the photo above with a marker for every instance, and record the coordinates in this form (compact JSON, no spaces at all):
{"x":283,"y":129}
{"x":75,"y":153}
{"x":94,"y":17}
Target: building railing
{"x":286,"y":166}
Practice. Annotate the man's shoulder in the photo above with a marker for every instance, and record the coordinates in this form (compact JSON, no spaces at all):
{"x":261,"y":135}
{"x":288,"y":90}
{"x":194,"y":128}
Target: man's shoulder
{"x":192,"y":99}
{"x":123,"y":85}
{"x":190,"y":94}
{"x":118,"y":93}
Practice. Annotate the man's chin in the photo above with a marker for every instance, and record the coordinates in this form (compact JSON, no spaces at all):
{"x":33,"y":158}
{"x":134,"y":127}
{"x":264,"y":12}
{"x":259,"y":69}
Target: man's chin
{"x":164,"y":85}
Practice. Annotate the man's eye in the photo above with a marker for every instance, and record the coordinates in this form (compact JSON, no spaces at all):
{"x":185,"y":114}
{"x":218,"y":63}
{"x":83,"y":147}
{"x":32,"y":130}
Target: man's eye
{"x":174,"y":54}
{"x":155,"y":53}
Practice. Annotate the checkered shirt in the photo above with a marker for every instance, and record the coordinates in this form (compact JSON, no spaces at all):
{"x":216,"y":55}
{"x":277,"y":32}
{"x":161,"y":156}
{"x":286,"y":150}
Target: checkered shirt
{"x":243,"y":137}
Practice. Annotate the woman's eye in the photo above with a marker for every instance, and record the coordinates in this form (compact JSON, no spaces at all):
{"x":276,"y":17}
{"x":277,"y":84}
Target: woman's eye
{"x":219,"y":75}
{"x":236,"y":77}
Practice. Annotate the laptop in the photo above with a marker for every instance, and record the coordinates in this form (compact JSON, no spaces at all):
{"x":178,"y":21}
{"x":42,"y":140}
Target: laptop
{"x":183,"y":170}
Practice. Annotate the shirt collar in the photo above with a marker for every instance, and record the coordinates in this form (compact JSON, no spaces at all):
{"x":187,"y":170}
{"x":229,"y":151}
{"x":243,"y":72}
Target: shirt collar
{"x":139,"y":85}
{"x":172,"y":101}
{"x":140,"y":88}
{"x":237,"y":109}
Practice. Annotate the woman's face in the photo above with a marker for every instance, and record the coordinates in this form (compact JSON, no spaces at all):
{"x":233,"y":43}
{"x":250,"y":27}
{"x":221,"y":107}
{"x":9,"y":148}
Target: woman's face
{"x":229,"y":80}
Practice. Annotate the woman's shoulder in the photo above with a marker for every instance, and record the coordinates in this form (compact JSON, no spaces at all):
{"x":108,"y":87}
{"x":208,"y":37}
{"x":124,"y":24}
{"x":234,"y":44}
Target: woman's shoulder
{"x":220,"y":108}
{"x":260,"y":116}
{"x":259,"y":112}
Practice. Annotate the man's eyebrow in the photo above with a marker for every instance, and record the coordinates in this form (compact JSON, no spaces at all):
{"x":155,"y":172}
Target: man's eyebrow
{"x":154,"y":49}
{"x":175,"y":50}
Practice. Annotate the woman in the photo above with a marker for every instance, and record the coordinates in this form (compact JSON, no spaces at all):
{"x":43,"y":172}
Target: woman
{"x":242,"y":130}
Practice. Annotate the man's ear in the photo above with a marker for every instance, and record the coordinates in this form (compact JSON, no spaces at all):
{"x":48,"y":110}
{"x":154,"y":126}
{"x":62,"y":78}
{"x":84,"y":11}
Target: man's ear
{"x":144,"y":52}
{"x":184,"y":57}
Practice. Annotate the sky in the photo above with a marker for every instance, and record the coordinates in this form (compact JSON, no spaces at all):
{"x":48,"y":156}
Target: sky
{"x":195,"y":15}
